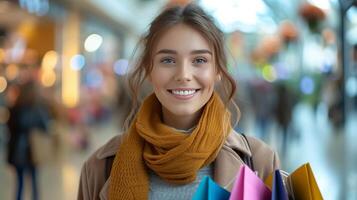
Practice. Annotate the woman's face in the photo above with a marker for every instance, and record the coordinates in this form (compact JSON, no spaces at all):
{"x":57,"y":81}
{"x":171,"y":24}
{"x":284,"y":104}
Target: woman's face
{"x":184,"y":72}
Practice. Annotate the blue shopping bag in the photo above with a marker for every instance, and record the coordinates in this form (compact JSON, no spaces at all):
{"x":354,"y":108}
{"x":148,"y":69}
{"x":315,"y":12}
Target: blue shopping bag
{"x":278,"y":190}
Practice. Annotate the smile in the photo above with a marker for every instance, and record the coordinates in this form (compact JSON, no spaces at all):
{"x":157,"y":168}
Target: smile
{"x":184,"y":93}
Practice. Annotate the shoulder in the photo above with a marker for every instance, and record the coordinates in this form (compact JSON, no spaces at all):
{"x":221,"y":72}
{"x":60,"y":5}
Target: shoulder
{"x":107,"y":150}
{"x":265,"y":159}
{"x":93,"y":177}
{"x":247,"y":144}
{"x":258,"y":147}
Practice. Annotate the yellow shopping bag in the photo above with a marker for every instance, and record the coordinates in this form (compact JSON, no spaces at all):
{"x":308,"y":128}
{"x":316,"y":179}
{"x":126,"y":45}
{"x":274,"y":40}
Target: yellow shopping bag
{"x":303,"y":184}
{"x":300,"y":185}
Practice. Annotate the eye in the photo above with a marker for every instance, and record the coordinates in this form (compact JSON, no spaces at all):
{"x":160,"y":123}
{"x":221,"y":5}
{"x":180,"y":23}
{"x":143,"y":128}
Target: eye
{"x":200,"y":60}
{"x":167,"y":61}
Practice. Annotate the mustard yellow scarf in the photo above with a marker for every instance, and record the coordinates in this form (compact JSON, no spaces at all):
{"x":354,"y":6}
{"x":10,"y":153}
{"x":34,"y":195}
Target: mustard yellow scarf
{"x":174,"y":156}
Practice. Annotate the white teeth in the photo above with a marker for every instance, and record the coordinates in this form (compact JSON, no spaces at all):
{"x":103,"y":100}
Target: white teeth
{"x":183,"y":92}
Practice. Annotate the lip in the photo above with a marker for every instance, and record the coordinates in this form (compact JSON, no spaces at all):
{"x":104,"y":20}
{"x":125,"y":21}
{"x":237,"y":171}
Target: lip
{"x":183,"y":97}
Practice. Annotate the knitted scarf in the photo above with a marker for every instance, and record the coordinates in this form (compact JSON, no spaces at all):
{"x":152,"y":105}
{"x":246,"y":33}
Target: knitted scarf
{"x":175,"y":157}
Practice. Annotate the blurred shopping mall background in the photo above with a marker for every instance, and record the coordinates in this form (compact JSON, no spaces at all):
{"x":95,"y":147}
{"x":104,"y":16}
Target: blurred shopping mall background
{"x":295,"y":62}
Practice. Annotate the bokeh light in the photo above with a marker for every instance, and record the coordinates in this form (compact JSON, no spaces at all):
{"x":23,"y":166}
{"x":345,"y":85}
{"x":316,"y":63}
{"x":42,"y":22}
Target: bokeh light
{"x":121,"y":66}
{"x":49,"y":60}
{"x":93,"y":42}
{"x":48,"y":78}
{"x":12,"y":71}
{"x":269,"y":73}
{"x":307,"y":85}
{"x":3,"y":84}
{"x":77,"y":62}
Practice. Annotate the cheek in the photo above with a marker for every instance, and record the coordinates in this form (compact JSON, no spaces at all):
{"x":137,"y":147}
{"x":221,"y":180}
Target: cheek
{"x":208,"y":78}
{"x":157,"y":80}
{"x":153,"y":77}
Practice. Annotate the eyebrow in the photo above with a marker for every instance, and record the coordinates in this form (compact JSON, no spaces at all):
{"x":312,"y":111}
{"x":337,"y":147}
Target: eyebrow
{"x":169,"y":51}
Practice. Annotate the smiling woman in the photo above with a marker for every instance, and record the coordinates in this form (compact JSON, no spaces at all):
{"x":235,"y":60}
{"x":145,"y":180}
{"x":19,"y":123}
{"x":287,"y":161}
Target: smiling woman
{"x":182,"y":131}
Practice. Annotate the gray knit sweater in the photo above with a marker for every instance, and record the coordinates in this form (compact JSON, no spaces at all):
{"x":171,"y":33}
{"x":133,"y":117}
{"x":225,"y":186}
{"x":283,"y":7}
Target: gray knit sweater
{"x":161,"y":190}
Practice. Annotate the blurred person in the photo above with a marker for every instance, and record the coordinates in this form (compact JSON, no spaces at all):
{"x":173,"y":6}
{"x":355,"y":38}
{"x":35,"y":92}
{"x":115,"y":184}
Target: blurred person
{"x":3,"y":35}
{"x":262,"y":96}
{"x":182,"y":131}
{"x":26,"y":114}
{"x":283,"y":112}
{"x":335,"y":103}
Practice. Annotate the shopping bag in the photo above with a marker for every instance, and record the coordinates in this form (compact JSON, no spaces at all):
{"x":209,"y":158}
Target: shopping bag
{"x":209,"y":190}
{"x":278,"y":187}
{"x":248,"y":186}
{"x":303,"y":185}
{"x":299,"y":185}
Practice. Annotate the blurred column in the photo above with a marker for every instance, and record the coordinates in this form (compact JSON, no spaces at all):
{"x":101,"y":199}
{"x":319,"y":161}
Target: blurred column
{"x":70,"y":76}
{"x":344,"y":6}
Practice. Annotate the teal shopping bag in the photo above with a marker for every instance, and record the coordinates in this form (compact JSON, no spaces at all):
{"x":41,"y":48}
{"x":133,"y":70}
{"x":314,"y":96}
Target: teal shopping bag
{"x":209,"y":190}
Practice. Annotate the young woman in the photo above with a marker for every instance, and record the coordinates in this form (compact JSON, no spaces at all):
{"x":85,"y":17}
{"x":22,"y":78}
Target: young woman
{"x":182,"y":132}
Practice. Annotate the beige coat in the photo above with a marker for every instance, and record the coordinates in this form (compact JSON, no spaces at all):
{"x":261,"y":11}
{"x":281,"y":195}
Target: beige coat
{"x":94,"y":186}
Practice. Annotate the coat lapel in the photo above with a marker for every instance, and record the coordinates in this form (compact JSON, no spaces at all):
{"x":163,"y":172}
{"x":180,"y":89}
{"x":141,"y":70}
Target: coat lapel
{"x":109,"y":150}
{"x":103,"y":195}
{"x":228,"y":162}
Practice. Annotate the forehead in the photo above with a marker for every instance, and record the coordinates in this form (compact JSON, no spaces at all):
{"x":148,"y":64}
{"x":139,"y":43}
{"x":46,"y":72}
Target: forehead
{"x":183,"y":39}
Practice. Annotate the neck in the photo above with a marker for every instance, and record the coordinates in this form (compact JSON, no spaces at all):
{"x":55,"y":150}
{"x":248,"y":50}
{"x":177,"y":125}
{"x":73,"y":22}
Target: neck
{"x":180,"y":122}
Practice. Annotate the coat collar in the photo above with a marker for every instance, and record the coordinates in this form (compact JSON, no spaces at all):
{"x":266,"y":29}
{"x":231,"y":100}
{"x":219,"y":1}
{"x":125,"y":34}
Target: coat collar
{"x":226,"y":164}
{"x":228,"y":161}
{"x":109,"y":149}
{"x":237,"y":142}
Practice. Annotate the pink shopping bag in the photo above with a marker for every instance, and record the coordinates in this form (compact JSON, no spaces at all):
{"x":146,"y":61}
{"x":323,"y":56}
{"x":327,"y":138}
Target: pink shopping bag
{"x":248,"y":186}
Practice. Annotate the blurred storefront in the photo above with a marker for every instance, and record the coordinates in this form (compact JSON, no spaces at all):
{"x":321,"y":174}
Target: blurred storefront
{"x":296,"y":44}
{"x":71,"y":53}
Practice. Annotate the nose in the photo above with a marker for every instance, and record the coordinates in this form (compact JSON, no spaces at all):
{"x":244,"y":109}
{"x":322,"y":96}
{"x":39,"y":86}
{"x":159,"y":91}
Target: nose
{"x":183,"y":72}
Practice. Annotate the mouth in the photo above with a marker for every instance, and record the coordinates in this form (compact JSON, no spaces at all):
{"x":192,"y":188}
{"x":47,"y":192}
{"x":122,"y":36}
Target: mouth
{"x":183,"y":92}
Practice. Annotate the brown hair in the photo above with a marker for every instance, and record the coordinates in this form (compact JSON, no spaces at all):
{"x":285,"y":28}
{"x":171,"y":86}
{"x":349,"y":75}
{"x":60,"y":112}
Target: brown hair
{"x":193,"y":16}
